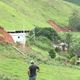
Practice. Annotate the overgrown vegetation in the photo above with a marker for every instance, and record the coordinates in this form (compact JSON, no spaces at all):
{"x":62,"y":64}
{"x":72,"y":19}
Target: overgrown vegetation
{"x":73,"y":40}
{"x":49,"y":33}
{"x":14,"y":65}
{"x":77,"y":2}
{"x":74,"y":20}
{"x":52,"y":53}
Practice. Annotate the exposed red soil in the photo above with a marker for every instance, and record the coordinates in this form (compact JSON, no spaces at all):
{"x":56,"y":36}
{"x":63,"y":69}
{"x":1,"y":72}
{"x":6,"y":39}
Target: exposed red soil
{"x":6,"y":37}
{"x":57,"y":27}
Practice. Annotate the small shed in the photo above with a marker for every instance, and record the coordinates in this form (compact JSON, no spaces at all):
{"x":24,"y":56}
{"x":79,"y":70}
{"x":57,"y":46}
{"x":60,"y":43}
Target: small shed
{"x":19,"y":36}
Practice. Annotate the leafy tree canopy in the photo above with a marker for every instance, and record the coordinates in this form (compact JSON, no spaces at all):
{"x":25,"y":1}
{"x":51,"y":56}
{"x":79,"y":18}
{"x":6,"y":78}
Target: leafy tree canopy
{"x":74,"y":20}
{"x":46,"y":32}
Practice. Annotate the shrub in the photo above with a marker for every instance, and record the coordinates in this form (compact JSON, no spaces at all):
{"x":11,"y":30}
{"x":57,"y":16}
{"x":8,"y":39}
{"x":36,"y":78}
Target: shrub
{"x":57,"y":49}
{"x":46,"y":32}
{"x":73,"y":60}
{"x":52,"y":53}
{"x":61,"y":59}
{"x":74,"y":20}
{"x":43,"y":43}
{"x":69,"y":55}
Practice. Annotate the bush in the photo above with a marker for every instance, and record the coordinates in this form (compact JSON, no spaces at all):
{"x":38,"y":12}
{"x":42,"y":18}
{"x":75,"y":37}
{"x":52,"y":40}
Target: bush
{"x":43,"y":43}
{"x":52,"y":53}
{"x":69,"y":55}
{"x":61,"y":59}
{"x":46,"y":32}
{"x":74,"y":20}
{"x":73,"y":60}
{"x":57,"y":49}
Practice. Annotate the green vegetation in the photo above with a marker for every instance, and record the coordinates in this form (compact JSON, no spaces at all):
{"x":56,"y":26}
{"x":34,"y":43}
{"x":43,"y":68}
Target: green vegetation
{"x":74,"y":41}
{"x":74,"y":20}
{"x":24,"y":14}
{"x":15,"y":68}
{"x":41,"y":45}
{"x":34,"y":14}
{"x":52,"y":53}
{"x":74,"y":1}
{"x":49,"y":33}
{"x":14,"y":65}
{"x":11,"y":63}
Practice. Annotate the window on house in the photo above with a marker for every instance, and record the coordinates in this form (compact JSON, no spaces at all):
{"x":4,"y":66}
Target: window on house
{"x":18,"y":36}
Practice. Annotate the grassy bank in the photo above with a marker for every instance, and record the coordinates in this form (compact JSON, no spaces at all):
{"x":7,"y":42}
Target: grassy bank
{"x":17,"y":69}
{"x":14,"y":67}
{"x":24,"y":14}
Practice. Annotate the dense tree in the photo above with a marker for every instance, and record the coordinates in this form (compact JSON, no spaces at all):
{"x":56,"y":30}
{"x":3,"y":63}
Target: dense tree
{"x":68,"y":40}
{"x":46,"y":32}
{"x":52,"y":53}
{"x":74,"y":20}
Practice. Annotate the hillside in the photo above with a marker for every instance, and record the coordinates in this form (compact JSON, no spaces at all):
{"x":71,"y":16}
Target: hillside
{"x":26,"y":14}
{"x":14,"y":67}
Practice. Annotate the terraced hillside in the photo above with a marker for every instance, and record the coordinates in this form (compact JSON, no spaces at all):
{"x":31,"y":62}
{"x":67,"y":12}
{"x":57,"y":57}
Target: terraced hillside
{"x":26,"y":14}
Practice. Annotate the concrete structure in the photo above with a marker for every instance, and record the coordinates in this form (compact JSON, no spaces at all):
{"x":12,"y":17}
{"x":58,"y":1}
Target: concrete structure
{"x":13,"y":36}
{"x":19,"y":36}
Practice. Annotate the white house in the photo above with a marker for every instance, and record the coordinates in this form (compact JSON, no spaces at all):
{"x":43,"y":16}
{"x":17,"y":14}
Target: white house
{"x":19,"y":36}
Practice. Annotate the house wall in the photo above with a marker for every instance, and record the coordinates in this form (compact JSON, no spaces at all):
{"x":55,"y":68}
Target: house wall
{"x":19,"y":37}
